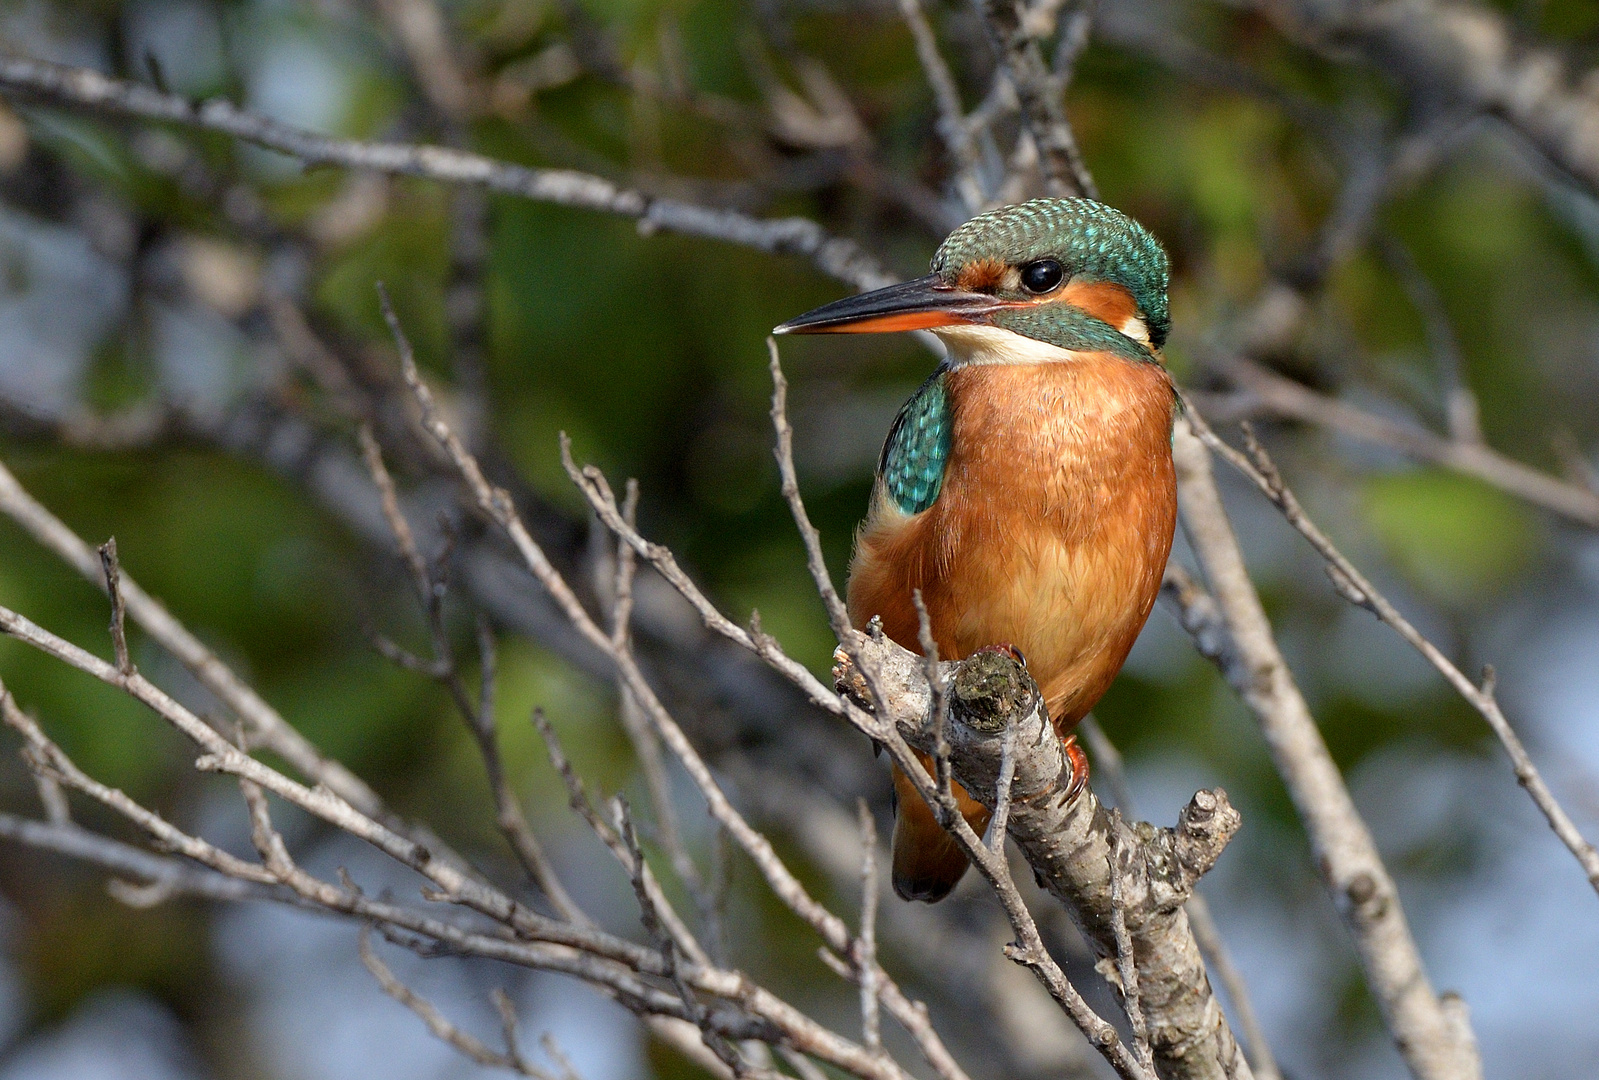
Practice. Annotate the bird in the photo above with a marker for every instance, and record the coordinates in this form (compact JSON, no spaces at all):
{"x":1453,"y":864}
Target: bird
{"x":1026,"y":490}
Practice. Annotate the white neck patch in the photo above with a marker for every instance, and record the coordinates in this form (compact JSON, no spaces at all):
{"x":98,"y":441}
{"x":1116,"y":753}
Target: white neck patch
{"x":994,"y":345}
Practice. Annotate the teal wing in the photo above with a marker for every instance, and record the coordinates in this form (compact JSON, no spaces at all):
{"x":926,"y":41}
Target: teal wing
{"x":911,"y":469}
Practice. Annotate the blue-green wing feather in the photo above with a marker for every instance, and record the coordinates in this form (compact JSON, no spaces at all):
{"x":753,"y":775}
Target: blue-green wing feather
{"x":917,"y":450}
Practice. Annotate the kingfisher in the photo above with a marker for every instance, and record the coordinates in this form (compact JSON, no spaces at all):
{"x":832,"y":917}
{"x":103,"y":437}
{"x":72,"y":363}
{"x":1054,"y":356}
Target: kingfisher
{"x":1026,"y":489}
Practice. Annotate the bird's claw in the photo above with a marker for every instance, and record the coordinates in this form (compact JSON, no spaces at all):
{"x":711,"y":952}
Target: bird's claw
{"x":1079,"y":760}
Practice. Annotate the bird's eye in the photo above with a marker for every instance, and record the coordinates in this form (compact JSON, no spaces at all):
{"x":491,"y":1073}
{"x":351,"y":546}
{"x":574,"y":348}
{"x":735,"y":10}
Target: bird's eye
{"x":1042,"y":276}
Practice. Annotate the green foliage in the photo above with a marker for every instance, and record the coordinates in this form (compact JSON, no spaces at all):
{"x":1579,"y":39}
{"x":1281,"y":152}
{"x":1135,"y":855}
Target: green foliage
{"x":1457,"y":538}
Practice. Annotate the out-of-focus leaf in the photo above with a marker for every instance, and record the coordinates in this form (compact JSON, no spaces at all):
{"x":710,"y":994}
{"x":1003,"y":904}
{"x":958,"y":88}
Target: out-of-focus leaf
{"x":1455,"y":537}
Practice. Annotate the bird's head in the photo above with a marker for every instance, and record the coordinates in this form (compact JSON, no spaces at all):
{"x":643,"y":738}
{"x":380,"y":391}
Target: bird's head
{"x":1071,"y":273}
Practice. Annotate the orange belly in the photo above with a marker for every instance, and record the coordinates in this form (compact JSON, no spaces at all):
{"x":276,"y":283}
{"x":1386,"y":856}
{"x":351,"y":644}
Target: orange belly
{"x":1052,"y":528}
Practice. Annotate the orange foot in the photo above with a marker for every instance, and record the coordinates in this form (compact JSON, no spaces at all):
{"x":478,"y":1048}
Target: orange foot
{"x":1079,"y":762}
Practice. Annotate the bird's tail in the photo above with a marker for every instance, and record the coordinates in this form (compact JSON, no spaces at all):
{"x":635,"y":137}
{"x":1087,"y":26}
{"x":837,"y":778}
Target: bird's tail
{"x":927,"y":862}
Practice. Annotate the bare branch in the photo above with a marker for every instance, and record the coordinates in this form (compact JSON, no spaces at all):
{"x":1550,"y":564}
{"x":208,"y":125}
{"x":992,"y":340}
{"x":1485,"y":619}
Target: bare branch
{"x":866,"y":960}
{"x":468,"y":1045}
{"x":1108,"y":763}
{"x":1467,"y":52}
{"x":389,"y":499}
{"x":649,"y":915}
{"x":952,"y":126}
{"x":43,"y":755}
{"x":1040,"y":93}
{"x":420,"y":26}
{"x":82,"y":88}
{"x":1126,"y":966}
{"x":162,"y":877}
{"x":113,"y":583}
{"x":1284,"y":397}
{"x":1343,"y":847}
{"x":1220,"y":959}
{"x":1461,"y":414}
{"x":837,"y":615}
{"x":509,"y":816}
{"x":577,"y":797}
{"x":647,"y":747}
{"x":1356,"y":588}
{"x":1108,"y":766}
{"x":264,"y":725}
{"x":940,"y":712}
{"x":1067,"y":842}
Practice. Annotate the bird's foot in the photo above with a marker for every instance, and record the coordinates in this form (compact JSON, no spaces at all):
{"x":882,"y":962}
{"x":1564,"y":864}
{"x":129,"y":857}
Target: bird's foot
{"x":1079,"y":760}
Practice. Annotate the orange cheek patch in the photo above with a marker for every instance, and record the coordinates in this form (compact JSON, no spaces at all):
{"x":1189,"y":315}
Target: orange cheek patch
{"x":1104,"y":300}
{"x":984,"y":275}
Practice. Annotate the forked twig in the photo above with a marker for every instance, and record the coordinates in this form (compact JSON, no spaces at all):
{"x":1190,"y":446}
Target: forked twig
{"x":469,"y":1045}
{"x":1355,"y":587}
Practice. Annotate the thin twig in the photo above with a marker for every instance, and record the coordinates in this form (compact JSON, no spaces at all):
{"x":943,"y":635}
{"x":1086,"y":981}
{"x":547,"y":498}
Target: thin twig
{"x":1109,"y":766}
{"x":468,"y":1045}
{"x":113,"y":584}
{"x":952,"y":126}
{"x":837,"y":613}
{"x":647,"y":747}
{"x":935,"y":679}
{"x":1473,"y":55}
{"x":649,"y":915}
{"x":1220,"y":960}
{"x":1357,"y":589}
{"x":1274,"y":394}
{"x":866,"y":960}
{"x":89,"y":90}
{"x":1433,"y":1045}
{"x":1126,"y":965}
{"x":265,"y":725}
{"x":1108,"y":763}
{"x":161,"y":877}
{"x":1461,"y":412}
{"x":578,"y":799}
{"x":479,"y":717}
{"x":1040,"y":94}
{"x":557,"y":1055}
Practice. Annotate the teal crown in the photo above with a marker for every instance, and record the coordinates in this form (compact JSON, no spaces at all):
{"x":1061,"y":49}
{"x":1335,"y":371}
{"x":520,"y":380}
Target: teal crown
{"x":1090,"y":240}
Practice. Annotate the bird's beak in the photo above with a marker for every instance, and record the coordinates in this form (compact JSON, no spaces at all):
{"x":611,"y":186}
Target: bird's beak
{"x":922,"y":304}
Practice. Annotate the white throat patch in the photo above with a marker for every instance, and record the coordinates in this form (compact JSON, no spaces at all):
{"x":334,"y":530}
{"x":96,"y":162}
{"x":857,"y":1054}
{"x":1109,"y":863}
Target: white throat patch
{"x":993,"y":345}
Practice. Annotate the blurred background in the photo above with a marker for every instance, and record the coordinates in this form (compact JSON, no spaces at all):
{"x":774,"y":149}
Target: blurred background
{"x":185,"y":324}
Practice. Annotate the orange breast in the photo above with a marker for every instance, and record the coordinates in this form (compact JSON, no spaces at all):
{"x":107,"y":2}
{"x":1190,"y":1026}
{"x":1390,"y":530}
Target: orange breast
{"x":1052,"y":528}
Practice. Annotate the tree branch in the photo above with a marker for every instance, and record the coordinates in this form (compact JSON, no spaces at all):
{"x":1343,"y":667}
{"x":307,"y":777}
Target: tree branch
{"x":81,"y":88}
{"x":1068,"y":842}
{"x":1353,"y":586}
{"x":1267,"y":392}
{"x":1236,"y":634}
{"x":1467,"y":52}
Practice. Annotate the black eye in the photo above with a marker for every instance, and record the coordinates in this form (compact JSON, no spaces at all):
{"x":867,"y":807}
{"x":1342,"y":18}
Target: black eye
{"x":1042,"y":276}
